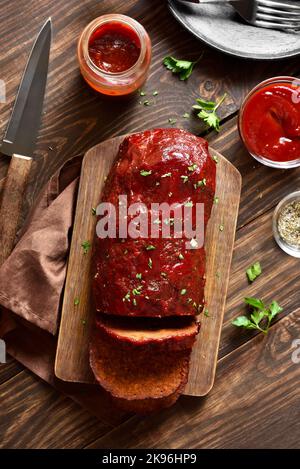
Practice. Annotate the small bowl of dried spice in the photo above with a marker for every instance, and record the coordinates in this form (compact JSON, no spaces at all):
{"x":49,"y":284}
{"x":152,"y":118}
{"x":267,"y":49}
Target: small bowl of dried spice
{"x":286,"y":224}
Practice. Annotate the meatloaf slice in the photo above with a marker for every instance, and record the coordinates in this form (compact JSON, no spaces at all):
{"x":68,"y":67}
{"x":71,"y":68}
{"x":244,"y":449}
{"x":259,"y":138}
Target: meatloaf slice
{"x":174,"y":333}
{"x":146,"y":276}
{"x":143,"y":376}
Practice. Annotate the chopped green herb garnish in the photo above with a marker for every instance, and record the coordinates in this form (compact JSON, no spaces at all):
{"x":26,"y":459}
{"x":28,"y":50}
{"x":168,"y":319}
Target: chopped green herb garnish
{"x":216,"y":200}
{"x":127,"y":297}
{"x":181,"y":257}
{"x":94,"y":211}
{"x":136,"y":291}
{"x":157,"y":221}
{"x":76,"y":301}
{"x":134,"y":302}
{"x":189,"y":204}
{"x":185,"y":179}
{"x":182,"y":68}
{"x":150,"y":247}
{"x":142,"y":93}
{"x":215,"y":158}
{"x":150,"y":263}
{"x":155,"y":93}
{"x":183,"y":291}
{"x":86,"y":245}
{"x":193,"y":167}
{"x":138,"y":276}
{"x":208,"y":112}
{"x":206,"y":313}
{"x":143,"y":172}
{"x":186,"y":115}
{"x":261,"y":316}
{"x":167,"y":175}
{"x":172,"y":121}
{"x":147,"y":103}
{"x":254,"y":271}
{"x":189,"y":300}
{"x":221,"y":227}
{"x":201,"y":183}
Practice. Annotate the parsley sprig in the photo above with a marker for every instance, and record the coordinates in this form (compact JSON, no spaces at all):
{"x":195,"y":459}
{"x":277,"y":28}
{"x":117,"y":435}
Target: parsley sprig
{"x":254,"y":271}
{"x":208,"y":112}
{"x":182,"y":68}
{"x":260,"y":315}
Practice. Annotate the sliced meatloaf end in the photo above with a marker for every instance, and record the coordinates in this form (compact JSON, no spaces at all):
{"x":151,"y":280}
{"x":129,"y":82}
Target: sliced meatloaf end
{"x":174,"y":333}
{"x":138,"y":374}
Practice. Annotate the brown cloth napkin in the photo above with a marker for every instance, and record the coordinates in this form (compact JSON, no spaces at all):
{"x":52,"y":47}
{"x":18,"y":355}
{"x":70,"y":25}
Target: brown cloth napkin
{"x":31,"y":285}
{"x":32,"y":278}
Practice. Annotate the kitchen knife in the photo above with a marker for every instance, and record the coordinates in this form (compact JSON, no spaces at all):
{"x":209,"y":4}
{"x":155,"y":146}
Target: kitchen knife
{"x":20,"y":138}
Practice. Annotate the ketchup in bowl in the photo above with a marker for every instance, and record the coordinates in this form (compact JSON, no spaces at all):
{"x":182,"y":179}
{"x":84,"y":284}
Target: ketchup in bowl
{"x":269,"y":122}
{"x":114,"y":53}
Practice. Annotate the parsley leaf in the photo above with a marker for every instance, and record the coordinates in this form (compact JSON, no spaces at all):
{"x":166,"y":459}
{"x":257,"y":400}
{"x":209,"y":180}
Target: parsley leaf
{"x":208,"y":112}
{"x":260,"y":315}
{"x":182,"y":68}
{"x":254,"y":271}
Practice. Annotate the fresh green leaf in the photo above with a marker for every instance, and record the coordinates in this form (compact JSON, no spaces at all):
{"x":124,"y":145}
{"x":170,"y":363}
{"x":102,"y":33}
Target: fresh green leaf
{"x":241,"y":321}
{"x":260,"y":315}
{"x":255,"y":302}
{"x":254,"y":271}
{"x":193,"y":167}
{"x":183,"y":68}
{"x":275,"y":309}
{"x":208,"y":112}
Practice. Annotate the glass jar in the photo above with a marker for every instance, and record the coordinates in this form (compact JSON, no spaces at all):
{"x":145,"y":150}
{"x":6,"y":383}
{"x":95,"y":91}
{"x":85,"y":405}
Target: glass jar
{"x":121,"y":82}
{"x":277,"y":115}
{"x":284,"y":244}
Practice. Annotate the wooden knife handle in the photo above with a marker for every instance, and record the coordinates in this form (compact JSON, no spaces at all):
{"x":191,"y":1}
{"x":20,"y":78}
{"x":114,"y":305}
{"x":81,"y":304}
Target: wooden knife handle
{"x":11,"y":203}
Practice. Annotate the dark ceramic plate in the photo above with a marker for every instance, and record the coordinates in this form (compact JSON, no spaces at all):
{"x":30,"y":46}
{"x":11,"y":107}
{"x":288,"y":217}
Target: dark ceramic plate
{"x":221,"y":27}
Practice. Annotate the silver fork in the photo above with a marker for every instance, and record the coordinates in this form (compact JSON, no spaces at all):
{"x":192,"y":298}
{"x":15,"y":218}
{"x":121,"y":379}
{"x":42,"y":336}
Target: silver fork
{"x":283,"y":15}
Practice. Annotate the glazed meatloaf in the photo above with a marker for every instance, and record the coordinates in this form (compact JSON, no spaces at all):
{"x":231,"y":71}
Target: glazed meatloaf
{"x":148,"y":291}
{"x":155,"y":277}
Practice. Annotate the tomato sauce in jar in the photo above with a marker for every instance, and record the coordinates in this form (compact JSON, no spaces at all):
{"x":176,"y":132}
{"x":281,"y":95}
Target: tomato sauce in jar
{"x":269,"y":122}
{"x":114,"y":53}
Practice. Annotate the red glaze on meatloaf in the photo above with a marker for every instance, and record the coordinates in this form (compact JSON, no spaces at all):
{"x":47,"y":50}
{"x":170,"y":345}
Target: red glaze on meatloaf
{"x":131,"y":278}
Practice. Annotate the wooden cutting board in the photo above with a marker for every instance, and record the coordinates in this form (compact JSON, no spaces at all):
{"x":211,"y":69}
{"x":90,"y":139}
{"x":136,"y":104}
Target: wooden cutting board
{"x":72,"y":357}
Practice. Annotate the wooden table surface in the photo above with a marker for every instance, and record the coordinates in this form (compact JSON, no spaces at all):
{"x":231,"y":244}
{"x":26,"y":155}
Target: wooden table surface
{"x":255,"y":401}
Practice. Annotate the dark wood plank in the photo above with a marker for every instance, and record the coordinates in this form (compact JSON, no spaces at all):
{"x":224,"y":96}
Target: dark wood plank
{"x":37,"y":416}
{"x":255,"y":403}
{"x":9,"y":369}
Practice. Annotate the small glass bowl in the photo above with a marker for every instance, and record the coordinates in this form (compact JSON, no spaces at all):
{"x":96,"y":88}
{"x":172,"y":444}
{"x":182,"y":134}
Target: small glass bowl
{"x":288,"y":248}
{"x":117,"y":83}
{"x":267,"y":162}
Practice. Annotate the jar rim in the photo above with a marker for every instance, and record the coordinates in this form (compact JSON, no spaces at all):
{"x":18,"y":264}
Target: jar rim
{"x":104,"y":19}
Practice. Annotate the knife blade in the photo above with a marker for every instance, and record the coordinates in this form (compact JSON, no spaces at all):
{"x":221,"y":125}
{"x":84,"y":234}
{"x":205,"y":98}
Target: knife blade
{"x":23,"y":126}
{"x":20,"y":137}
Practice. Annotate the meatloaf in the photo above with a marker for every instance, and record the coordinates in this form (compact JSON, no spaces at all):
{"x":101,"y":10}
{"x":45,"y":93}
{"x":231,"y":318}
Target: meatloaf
{"x":155,"y":277}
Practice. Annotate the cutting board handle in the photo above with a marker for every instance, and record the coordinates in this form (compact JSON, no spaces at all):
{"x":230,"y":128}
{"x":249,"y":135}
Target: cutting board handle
{"x":11,"y":203}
